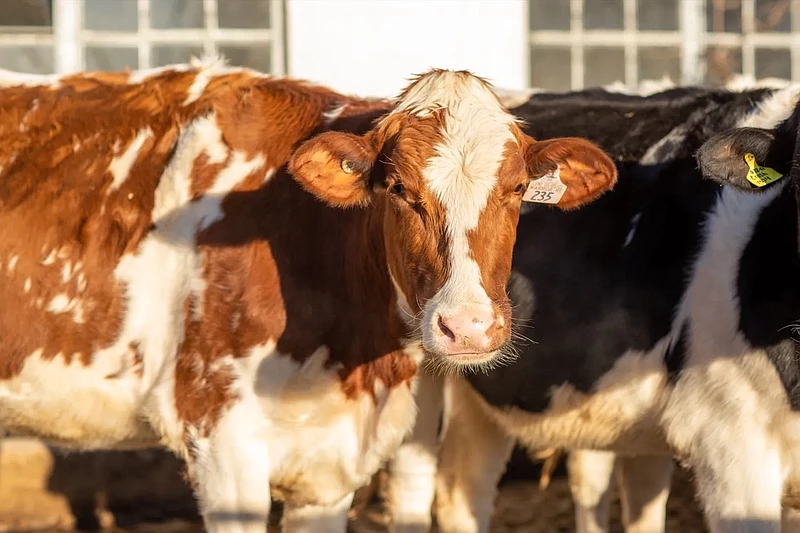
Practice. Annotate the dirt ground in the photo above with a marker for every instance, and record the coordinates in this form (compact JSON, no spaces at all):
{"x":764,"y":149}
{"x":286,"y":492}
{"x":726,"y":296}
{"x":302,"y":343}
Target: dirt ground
{"x":144,"y":492}
{"x":521,"y":507}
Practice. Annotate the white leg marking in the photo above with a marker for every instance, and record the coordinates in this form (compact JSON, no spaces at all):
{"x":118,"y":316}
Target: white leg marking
{"x":590,"y":474}
{"x":231,"y":470}
{"x":644,"y":483}
{"x":317,"y":519}
{"x":474,"y":454}
{"x":413,"y":469}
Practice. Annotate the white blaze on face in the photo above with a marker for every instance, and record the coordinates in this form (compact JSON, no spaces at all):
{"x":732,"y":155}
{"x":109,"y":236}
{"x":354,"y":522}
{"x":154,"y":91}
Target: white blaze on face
{"x":462,"y":175}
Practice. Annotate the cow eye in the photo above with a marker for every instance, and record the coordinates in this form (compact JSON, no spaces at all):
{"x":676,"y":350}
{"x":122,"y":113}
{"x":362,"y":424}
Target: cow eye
{"x":519,"y":188}
{"x":398,"y":189}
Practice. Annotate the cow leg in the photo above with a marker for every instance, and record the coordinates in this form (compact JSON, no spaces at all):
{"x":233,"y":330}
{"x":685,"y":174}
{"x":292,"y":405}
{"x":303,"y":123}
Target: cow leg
{"x":413,"y":468}
{"x":317,"y":519}
{"x":230,"y":470}
{"x":473,"y":456}
{"x":741,"y":494}
{"x":590,"y":473}
{"x":644,"y":483}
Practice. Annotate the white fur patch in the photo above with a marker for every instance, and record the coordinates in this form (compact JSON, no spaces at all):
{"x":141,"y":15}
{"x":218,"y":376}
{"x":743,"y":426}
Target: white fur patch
{"x":330,"y":116}
{"x":73,"y":404}
{"x":321,"y":442}
{"x":165,"y":270}
{"x":774,"y":109}
{"x":9,"y":78}
{"x":142,"y":75}
{"x":121,"y":165}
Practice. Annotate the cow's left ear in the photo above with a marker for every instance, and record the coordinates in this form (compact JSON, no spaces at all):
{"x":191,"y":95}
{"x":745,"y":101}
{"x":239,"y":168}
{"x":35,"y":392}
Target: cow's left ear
{"x":584,"y":168}
{"x":335,"y":167}
{"x":748,"y":159}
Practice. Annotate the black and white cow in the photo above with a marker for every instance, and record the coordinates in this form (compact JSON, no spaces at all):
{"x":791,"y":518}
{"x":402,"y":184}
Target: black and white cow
{"x":633,"y":316}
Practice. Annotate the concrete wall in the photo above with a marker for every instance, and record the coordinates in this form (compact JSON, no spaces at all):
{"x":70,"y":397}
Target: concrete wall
{"x":371,"y":47}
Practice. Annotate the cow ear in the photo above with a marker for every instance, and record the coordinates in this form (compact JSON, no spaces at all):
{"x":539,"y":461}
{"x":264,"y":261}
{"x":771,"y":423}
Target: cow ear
{"x":748,"y":159}
{"x":583,"y":168}
{"x":335,"y":167}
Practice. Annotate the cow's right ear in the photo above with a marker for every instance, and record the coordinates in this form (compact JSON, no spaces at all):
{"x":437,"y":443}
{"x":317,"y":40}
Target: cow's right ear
{"x":335,"y":167}
{"x":749,"y":159}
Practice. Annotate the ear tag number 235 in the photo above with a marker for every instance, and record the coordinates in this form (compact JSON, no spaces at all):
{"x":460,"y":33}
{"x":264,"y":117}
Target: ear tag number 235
{"x":546,"y":190}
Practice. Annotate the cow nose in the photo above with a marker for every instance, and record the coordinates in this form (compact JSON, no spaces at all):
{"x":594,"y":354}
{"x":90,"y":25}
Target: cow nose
{"x":472,"y":330}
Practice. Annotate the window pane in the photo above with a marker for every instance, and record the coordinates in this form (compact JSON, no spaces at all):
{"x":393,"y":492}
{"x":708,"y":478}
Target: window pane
{"x":165,"y":14}
{"x":111,"y":58}
{"x":655,"y":63}
{"x":602,"y":15}
{"x":724,"y":16}
{"x":549,"y":15}
{"x":773,"y":15}
{"x":33,"y":59}
{"x":603,"y":66}
{"x":255,"y":56}
{"x":721,"y":63}
{"x":113,"y":15}
{"x":773,"y":63}
{"x":657,"y":16}
{"x":176,"y":53}
{"x":253,"y":14}
{"x":25,"y":13}
{"x":550,"y":68}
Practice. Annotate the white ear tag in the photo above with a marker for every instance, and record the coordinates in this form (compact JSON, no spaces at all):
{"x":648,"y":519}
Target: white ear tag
{"x":546,"y":190}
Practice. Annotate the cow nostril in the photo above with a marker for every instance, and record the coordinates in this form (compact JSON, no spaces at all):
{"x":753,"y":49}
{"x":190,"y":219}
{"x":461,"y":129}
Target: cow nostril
{"x":445,"y":330}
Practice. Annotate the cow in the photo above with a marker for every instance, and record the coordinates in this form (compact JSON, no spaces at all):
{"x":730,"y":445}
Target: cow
{"x":602,"y":301}
{"x":249,"y":271}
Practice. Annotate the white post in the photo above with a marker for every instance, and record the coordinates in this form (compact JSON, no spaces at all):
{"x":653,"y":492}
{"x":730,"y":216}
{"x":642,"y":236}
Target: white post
{"x":576,"y":48}
{"x":67,"y":25}
{"x":277,"y":43}
{"x":693,"y":29}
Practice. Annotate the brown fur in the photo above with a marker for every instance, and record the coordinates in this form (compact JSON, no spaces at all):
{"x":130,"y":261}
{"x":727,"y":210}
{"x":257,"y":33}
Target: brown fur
{"x":281,"y":264}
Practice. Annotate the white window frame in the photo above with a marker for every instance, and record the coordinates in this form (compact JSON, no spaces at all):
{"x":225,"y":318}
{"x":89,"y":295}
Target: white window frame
{"x":69,"y":38}
{"x":691,"y":38}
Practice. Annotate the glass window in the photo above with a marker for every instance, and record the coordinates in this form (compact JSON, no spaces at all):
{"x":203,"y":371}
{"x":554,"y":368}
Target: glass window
{"x":603,"y":15}
{"x":174,"y":53}
{"x":26,"y":13}
{"x":550,"y":68}
{"x":165,"y":14}
{"x":603,"y":66}
{"x":549,"y":15}
{"x":110,"y":15}
{"x":248,"y":14}
{"x":773,"y":63}
{"x":255,"y":56}
{"x":33,"y":59}
{"x":111,"y":58}
{"x":657,"y":62}
{"x":657,"y":16}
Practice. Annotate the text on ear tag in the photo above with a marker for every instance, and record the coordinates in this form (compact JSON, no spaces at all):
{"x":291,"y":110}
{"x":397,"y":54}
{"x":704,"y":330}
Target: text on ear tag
{"x":760,"y":176}
{"x":546,"y":190}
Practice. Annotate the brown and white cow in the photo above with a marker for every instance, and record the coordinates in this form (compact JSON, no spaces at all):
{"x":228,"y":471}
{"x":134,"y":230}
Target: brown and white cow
{"x":166,"y":280}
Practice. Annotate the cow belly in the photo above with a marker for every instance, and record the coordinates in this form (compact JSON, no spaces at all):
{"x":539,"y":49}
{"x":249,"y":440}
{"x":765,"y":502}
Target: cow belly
{"x":72,"y":404}
{"x":320,"y":462}
{"x":621,"y":414}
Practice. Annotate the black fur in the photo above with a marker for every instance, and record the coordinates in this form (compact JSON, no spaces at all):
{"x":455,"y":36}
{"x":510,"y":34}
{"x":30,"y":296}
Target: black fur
{"x":582,"y":295}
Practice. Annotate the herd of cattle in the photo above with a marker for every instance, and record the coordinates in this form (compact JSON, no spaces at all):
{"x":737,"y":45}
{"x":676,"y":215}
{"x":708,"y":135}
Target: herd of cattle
{"x":289,"y":287}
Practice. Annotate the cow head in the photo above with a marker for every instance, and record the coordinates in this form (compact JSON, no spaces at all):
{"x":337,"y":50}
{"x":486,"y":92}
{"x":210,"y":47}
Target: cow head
{"x":449,"y":166}
{"x":751,"y":159}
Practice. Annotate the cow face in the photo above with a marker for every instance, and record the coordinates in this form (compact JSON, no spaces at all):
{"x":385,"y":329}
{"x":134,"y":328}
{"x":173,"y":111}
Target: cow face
{"x":449,"y":166}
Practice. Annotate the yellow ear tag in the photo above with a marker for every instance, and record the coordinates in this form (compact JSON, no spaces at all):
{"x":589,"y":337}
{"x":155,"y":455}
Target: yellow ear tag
{"x":760,"y":176}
